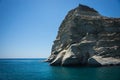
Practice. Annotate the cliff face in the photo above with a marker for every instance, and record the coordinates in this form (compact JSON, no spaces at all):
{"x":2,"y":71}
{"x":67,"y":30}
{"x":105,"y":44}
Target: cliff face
{"x":86,"y":38}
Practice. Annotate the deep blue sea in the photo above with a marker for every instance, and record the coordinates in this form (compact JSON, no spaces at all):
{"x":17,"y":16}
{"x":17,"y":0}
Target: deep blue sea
{"x":36,"y":69}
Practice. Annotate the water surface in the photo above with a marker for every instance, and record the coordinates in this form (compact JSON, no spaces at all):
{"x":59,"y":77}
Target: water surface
{"x":36,"y":69}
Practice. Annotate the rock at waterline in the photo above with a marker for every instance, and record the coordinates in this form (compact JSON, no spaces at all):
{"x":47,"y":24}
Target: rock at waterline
{"x":85,"y":37}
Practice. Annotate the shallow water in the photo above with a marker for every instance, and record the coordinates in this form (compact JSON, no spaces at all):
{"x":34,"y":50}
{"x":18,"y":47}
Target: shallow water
{"x":35,"y":69}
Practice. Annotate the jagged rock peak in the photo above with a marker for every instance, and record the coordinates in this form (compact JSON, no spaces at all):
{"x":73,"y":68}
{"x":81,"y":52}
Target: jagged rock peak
{"x":85,"y":8}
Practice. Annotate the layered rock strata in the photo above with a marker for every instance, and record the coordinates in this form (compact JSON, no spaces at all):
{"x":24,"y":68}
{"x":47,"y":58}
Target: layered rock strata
{"x":86,"y":38}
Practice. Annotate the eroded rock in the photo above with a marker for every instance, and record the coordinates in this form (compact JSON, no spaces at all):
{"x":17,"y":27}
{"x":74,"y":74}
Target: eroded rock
{"x":86,"y":38}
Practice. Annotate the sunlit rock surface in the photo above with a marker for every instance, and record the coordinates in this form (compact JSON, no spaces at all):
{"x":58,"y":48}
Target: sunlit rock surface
{"x":87,"y":38}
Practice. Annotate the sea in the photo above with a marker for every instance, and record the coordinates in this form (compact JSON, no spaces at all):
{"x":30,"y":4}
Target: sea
{"x":37,"y":69}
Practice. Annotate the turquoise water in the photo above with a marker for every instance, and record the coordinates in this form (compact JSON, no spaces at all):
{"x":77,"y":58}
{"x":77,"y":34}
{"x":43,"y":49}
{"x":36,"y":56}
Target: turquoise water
{"x":35,"y":69}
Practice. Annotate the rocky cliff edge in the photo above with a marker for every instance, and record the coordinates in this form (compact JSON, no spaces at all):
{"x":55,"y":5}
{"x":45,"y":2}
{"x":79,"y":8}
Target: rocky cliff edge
{"x":86,"y":38}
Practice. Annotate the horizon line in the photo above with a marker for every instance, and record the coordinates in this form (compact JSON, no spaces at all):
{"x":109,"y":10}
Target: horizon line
{"x":23,"y":58}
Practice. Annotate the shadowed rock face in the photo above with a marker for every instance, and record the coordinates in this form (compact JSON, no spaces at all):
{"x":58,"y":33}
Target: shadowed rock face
{"x":86,"y":38}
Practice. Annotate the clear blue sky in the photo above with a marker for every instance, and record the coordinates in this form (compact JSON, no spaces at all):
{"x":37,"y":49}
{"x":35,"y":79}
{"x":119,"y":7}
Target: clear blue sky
{"x":29,"y":27}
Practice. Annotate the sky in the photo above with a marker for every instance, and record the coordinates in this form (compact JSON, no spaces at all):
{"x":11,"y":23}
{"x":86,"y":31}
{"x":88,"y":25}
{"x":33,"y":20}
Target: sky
{"x":29,"y":27}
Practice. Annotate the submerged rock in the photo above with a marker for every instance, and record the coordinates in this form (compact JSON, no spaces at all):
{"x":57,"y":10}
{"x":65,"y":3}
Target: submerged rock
{"x":86,"y":38}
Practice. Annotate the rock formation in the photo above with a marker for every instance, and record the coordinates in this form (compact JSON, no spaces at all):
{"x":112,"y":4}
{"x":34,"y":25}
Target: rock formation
{"x":87,"y":38}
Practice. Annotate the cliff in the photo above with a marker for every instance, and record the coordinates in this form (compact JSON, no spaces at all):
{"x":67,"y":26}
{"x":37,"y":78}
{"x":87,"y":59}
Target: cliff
{"x":86,"y":38}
